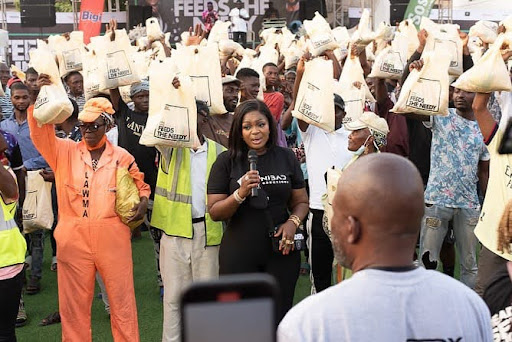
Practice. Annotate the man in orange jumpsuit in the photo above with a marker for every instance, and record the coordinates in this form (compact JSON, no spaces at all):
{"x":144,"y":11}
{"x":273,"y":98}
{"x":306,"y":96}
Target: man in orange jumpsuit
{"x":90,"y":236}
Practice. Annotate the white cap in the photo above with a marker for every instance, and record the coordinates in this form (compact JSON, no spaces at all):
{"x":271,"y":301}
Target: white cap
{"x":369,"y":120}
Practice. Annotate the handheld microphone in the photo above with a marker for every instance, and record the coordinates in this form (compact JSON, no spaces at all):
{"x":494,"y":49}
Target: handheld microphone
{"x":252,"y":156}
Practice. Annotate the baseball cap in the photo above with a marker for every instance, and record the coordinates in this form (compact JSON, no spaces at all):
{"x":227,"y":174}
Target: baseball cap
{"x":369,"y":120}
{"x":230,"y":79}
{"x":338,"y":101}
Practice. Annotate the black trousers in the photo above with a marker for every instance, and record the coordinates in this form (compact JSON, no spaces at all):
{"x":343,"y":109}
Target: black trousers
{"x":240,"y":37}
{"x":10,"y":294}
{"x":284,"y":268}
{"x":322,"y":254}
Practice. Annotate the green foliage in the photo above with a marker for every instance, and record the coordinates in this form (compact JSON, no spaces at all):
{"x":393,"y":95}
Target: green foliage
{"x":60,"y":5}
{"x":63,"y":6}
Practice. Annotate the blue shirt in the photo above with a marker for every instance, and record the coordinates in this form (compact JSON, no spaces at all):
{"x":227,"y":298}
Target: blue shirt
{"x":457,"y":148}
{"x":32,"y":159}
{"x":294,"y":140}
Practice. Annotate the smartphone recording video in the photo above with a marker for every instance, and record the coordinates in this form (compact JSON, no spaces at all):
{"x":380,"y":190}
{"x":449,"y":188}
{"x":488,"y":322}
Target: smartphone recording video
{"x":233,"y":308}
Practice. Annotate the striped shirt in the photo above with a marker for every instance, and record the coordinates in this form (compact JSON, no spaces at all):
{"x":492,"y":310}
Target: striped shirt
{"x":6,"y":105}
{"x":80,"y":101}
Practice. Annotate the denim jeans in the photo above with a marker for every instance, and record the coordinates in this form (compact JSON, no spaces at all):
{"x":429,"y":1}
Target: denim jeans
{"x":37,"y":247}
{"x":433,"y":231}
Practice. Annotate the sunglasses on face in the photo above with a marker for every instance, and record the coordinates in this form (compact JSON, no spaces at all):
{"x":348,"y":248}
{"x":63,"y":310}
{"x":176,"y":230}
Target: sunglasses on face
{"x":91,"y":127}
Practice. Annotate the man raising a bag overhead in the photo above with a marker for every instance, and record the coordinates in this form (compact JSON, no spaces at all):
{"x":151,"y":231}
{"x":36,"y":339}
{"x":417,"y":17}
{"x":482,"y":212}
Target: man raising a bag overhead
{"x":90,"y":235}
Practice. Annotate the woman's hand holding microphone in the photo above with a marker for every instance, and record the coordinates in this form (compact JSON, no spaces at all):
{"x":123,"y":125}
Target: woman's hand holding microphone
{"x":249,"y":181}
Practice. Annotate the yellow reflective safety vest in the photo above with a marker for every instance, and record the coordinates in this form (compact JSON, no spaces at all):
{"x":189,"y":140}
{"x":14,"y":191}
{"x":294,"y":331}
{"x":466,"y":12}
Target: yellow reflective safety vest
{"x":172,"y":207}
{"x":12,"y":244}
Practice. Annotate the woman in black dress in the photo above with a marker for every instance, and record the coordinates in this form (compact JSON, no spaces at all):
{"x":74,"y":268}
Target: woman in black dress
{"x":277,"y":211}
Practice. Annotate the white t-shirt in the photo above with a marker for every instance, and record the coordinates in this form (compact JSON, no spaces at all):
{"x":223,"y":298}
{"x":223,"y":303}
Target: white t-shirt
{"x":237,"y":18}
{"x":113,"y":136}
{"x":375,"y":305}
{"x":323,"y":151}
{"x":198,"y":161}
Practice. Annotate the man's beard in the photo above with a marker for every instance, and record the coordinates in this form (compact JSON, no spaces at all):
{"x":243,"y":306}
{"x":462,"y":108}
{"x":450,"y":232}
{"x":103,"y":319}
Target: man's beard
{"x":21,"y":108}
{"x":339,"y":253}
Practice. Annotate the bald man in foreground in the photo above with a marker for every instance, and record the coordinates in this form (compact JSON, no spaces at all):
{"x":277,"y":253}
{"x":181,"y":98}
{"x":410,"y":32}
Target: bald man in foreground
{"x":378,"y":209}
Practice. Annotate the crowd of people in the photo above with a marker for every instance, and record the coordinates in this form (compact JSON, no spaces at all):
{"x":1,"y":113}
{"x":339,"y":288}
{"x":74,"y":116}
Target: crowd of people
{"x":413,"y":189}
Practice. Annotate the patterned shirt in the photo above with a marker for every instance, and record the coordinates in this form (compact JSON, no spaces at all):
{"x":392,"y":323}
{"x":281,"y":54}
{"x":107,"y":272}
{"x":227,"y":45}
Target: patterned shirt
{"x":80,"y":100}
{"x":209,"y":19}
{"x":6,"y":105}
{"x":457,"y":148}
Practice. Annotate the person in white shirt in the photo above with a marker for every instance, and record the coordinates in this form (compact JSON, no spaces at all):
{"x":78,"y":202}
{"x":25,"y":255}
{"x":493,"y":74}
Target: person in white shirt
{"x":239,"y":17}
{"x":323,"y":151}
{"x":189,"y":247}
{"x":378,"y":208}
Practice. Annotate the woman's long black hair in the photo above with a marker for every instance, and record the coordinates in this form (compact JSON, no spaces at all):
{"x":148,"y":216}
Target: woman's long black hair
{"x":237,"y":147}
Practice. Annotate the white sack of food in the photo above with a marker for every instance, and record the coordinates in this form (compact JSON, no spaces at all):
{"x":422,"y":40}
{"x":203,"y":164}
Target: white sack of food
{"x":383,"y":32}
{"x":201,"y":64}
{"x":370,"y":55}
{"x":353,"y":72}
{"x":444,"y":37}
{"x":292,"y":55}
{"x":426,"y":91}
{"x":172,"y":119}
{"x":267,"y":54}
{"x":409,"y":34}
{"x":363,"y":35}
{"x":219,"y":31}
{"x":476,"y":48}
{"x":490,"y":73}
{"x":507,"y":23}
{"x":247,"y":59}
{"x":333,"y":176}
{"x":341,"y":36}
{"x":37,"y":207}
{"x":271,"y":36}
{"x":120,"y":70}
{"x":354,"y":98}
{"x":68,"y":52}
{"x":389,"y":63}
{"x":52,"y":104}
{"x":93,"y":75}
{"x":315,"y":100}
{"x":320,"y":35}
{"x":487,"y":31}
{"x":228,"y":47}
{"x":142,"y":59}
{"x":286,"y":40}
{"x":153,"y":30}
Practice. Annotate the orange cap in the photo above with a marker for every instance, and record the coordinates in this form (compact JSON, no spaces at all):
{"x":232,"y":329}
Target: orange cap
{"x":94,"y":107}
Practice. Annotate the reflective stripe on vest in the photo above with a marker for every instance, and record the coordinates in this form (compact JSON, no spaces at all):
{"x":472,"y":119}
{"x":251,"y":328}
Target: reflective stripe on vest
{"x":12,"y":244}
{"x":172,"y":208}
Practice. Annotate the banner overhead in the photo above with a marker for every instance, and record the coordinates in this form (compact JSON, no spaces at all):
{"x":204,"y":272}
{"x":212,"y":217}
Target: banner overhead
{"x":90,"y":18}
{"x":418,"y":9}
